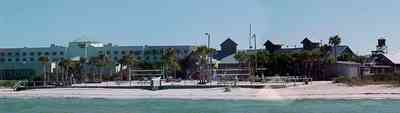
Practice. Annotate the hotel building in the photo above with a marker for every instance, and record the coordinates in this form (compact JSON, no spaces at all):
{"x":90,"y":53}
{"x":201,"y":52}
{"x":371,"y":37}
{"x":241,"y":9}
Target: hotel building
{"x":18,"y":63}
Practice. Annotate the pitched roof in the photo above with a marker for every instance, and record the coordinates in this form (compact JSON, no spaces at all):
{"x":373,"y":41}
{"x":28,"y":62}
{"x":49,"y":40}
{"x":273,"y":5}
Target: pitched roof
{"x":220,"y":55}
{"x":395,"y":58}
{"x":230,"y":59}
{"x":340,"y":50}
{"x":268,"y":42}
{"x":289,"y":50}
{"x":306,"y":40}
{"x":229,"y":41}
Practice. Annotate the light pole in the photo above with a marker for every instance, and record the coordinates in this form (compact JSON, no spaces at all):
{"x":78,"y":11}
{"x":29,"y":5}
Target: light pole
{"x":209,"y":56}
{"x":253,"y":36}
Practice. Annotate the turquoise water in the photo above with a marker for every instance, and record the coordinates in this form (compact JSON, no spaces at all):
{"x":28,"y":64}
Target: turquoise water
{"x":47,"y":105}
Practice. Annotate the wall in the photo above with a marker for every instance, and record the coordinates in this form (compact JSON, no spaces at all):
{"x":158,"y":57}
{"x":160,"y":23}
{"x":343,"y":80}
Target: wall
{"x":342,"y":68}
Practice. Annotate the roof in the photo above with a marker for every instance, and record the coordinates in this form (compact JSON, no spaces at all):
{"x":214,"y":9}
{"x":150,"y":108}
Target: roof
{"x":340,"y":50}
{"x":395,"y":58}
{"x":348,"y":62}
{"x":83,"y":39}
{"x":229,"y":41}
{"x":230,"y":59}
{"x":220,"y":55}
{"x":268,"y":42}
{"x":306,"y":40}
{"x":290,"y":50}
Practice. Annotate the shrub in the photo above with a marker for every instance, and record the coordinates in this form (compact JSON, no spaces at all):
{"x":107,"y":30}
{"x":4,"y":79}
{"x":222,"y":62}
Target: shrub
{"x":384,"y":77}
{"x":7,"y":83}
{"x":342,"y":79}
{"x":368,"y":80}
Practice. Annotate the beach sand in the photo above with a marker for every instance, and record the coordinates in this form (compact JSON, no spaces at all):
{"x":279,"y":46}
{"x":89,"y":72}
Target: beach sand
{"x":316,"y":90}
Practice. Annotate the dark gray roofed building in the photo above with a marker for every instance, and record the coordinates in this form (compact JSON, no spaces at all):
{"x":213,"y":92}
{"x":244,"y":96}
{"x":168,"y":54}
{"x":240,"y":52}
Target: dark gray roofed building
{"x":308,"y":45}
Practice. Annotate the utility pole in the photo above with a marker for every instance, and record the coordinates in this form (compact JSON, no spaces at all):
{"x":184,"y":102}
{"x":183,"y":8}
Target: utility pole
{"x":209,"y":54}
{"x":255,"y":48}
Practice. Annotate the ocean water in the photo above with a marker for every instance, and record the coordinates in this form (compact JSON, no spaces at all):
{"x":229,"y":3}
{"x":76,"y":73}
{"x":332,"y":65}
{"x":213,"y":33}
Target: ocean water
{"x":49,"y":105}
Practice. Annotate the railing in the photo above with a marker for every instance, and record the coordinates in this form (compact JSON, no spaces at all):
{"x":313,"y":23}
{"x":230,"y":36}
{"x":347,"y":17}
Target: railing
{"x":22,"y":85}
{"x":168,"y":83}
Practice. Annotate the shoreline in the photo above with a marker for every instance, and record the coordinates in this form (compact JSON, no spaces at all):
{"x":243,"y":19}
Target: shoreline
{"x":320,"y":90}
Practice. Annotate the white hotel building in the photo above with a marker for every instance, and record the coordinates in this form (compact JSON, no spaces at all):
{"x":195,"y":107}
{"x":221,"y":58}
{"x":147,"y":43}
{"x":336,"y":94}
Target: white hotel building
{"x":22,"y":62}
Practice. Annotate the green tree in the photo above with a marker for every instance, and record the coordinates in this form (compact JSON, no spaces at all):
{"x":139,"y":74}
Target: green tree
{"x":127,"y":61}
{"x":75,"y":69}
{"x":242,"y":57}
{"x":84,"y":62}
{"x":65,"y":64}
{"x":335,"y":41}
{"x":44,"y":61}
{"x":169,"y":59}
{"x":104,"y":62}
{"x":203,"y":52}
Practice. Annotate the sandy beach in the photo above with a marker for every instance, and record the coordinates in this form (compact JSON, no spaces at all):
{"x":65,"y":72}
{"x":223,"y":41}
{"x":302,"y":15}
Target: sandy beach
{"x":317,"y":90}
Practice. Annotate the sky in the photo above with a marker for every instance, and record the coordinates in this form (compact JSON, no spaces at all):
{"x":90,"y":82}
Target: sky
{"x":39,"y":23}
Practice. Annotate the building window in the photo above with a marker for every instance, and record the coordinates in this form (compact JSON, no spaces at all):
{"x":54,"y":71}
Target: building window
{"x":2,"y":60}
{"x":61,"y":53}
{"x":32,"y":54}
{"x":46,"y":53}
{"x":131,"y":52}
{"x":54,"y":53}
{"x":62,"y":58}
{"x":116,"y":58}
{"x":24,"y":59}
{"x":115,"y":52}
{"x":39,"y":53}
{"x":100,"y":52}
{"x":108,"y":52}
{"x":2,"y":54}
{"x":17,"y":59}
{"x":9,"y":60}
{"x":123,"y":52}
{"x":31,"y":59}
{"x":154,"y":51}
{"x":17,"y":54}
{"x":24,"y":54}
{"x":137,"y":53}
{"x":9,"y":54}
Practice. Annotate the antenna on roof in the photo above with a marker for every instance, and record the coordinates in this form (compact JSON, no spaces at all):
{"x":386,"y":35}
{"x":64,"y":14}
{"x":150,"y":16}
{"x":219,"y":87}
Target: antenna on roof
{"x":250,"y":37}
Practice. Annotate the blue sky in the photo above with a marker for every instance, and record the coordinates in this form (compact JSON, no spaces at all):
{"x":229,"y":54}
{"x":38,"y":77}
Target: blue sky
{"x":34,"y":23}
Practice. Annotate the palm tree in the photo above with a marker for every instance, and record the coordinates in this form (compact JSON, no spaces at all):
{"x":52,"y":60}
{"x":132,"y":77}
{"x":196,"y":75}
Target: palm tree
{"x":93,"y":68}
{"x":44,"y":61}
{"x":335,"y":41}
{"x":101,"y":62}
{"x":83,"y":62}
{"x":70,"y":68}
{"x":242,"y":57}
{"x":128,"y":61}
{"x":75,"y":68}
{"x":203,"y":52}
{"x":169,"y":59}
